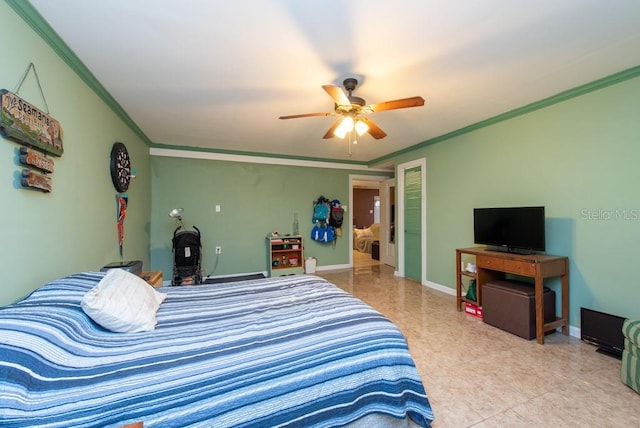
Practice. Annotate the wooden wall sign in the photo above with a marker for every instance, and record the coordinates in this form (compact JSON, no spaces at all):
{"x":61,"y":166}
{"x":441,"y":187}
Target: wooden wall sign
{"x":37,"y":181}
{"x":33,"y":158}
{"x":26,"y":124}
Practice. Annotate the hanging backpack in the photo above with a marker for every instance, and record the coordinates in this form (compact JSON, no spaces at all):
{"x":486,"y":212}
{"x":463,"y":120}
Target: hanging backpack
{"x":320,"y":210}
{"x":336,"y":215}
{"x":322,"y":231}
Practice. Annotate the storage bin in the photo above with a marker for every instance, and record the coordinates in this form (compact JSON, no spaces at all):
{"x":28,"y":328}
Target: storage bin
{"x":310,"y":265}
{"x":510,"y":305}
{"x":375,"y":250}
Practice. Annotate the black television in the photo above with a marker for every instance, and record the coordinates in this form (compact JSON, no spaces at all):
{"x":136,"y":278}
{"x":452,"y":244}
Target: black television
{"x":512,"y":229}
{"x":602,"y":330}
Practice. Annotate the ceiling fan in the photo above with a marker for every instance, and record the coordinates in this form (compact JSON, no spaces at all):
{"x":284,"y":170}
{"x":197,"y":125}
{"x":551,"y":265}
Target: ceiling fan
{"x":353,"y":111}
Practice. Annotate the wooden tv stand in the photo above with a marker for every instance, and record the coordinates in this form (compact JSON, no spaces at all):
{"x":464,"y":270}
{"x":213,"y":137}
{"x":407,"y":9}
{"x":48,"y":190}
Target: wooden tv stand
{"x":493,"y":265}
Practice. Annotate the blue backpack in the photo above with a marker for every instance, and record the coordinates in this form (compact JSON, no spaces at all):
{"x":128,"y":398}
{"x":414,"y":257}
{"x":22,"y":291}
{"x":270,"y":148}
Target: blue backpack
{"x":320,"y":210}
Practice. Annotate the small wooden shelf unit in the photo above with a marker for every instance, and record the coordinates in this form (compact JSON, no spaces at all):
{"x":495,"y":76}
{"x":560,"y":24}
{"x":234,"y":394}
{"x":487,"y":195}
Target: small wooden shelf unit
{"x":284,"y":255}
{"x":494,"y":265}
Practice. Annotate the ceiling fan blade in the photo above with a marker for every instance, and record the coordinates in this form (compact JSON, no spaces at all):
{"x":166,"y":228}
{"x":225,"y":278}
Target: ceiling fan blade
{"x":330,"y":131}
{"x":295,"y":116}
{"x":395,"y":104}
{"x":374,"y":130}
{"x":338,"y":95}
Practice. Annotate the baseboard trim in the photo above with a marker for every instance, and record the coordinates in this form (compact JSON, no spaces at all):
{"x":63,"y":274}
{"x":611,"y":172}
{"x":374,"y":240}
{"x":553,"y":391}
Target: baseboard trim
{"x":333,"y":267}
{"x":574,"y":332}
{"x":438,"y":287}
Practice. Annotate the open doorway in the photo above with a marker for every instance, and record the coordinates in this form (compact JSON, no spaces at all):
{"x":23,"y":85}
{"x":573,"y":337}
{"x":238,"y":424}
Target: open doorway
{"x":370,"y":217}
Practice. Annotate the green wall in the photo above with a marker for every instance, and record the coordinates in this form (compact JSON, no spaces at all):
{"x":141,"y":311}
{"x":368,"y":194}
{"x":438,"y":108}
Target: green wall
{"x":579,"y":158}
{"x":255,"y":199}
{"x":73,"y":228}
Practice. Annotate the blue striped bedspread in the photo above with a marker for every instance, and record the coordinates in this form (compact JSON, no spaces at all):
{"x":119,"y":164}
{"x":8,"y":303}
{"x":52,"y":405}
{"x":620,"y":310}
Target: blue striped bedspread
{"x":289,"y":351}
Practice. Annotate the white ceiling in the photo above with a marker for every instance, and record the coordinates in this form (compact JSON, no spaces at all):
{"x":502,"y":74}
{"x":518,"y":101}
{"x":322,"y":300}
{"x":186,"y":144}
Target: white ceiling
{"x":218,"y":74}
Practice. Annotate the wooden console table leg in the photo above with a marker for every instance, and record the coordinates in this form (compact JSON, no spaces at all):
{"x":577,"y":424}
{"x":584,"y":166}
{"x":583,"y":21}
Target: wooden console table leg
{"x":539,"y":288}
{"x":458,"y":281}
{"x":565,"y":299}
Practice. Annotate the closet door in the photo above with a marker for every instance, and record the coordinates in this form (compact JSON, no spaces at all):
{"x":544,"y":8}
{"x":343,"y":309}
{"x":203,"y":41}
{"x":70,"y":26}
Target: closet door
{"x":412,"y":223}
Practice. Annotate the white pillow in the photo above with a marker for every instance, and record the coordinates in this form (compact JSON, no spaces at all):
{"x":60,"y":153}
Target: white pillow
{"x":123,"y":302}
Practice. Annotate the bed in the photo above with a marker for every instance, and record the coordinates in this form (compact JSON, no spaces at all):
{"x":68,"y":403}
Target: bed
{"x":287,"y":351}
{"x":363,"y":238}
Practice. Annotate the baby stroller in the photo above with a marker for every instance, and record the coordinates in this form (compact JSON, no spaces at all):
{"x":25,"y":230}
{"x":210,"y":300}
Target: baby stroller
{"x":187,"y":253}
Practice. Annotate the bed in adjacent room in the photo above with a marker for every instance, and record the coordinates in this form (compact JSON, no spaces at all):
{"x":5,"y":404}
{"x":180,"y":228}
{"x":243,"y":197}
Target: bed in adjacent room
{"x":363,"y":238}
{"x":288,"y":351}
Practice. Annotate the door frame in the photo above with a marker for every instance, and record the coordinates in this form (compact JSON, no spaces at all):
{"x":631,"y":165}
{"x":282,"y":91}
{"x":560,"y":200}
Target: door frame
{"x":400,"y":230}
{"x":355,"y":177}
{"x":387,"y":249}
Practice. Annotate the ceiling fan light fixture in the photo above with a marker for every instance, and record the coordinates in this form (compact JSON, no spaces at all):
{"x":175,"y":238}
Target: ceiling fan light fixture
{"x":361,"y":127}
{"x":345,"y":126}
{"x":352,"y":111}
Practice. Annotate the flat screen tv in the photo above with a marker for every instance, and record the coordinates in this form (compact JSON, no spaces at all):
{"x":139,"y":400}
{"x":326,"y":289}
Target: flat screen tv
{"x":513,"y":229}
{"x":603,"y":330}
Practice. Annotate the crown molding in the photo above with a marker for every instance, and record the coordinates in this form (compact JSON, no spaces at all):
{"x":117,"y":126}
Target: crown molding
{"x":261,"y":159}
{"x":38,"y":24}
{"x":610,"y":80}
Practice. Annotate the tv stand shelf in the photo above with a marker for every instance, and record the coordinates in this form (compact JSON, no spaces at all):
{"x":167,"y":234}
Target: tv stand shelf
{"x":494,"y":265}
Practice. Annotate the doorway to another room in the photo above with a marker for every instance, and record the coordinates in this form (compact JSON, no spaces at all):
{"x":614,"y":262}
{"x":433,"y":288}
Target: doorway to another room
{"x":371,"y":216}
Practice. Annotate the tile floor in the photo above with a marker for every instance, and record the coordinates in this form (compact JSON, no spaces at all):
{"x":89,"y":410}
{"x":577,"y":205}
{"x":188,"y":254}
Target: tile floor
{"x":479,"y":376}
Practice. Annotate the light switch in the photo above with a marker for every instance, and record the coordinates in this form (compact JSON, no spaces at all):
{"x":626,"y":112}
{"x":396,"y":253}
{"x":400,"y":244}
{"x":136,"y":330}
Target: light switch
{"x":217,"y":208}
{"x":344,"y":207}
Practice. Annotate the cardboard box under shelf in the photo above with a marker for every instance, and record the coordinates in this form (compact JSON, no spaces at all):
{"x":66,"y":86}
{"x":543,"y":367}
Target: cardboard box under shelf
{"x":473,"y":309}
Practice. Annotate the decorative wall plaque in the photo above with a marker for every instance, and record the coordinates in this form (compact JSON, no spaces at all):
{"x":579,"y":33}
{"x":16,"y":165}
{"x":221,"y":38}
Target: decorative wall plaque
{"x":36,"y":181}
{"x":27,"y":124}
{"x":30,"y":157}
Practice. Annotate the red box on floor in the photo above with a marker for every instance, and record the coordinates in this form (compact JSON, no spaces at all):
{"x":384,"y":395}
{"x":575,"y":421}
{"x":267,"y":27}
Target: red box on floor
{"x":472,"y":309}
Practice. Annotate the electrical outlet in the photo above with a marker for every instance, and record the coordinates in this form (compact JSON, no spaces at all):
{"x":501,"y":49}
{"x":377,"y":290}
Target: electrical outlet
{"x":218,"y":250}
